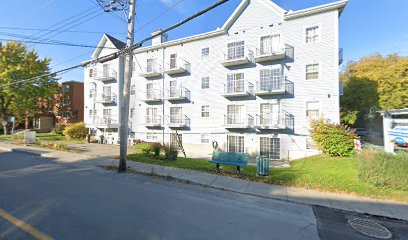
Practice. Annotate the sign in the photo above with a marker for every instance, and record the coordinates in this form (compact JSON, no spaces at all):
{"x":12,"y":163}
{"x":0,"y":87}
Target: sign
{"x":29,"y":137}
{"x":4,"y":123}
{"x":11,"y":119}
{"x":399,"y":135}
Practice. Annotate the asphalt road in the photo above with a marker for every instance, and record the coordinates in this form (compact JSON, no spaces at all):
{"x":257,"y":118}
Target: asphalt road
{"x":72,"y":202}
{"x":64,"y":201}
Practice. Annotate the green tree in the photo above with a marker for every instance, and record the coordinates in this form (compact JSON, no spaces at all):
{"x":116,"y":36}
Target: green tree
{"x":374,"y":81}
{"x":21,"y":99}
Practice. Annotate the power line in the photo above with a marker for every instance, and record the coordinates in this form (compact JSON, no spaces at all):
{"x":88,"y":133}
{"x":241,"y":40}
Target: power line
{"x":55,"y":30}
{"x":122,"y":51}
{"x":54,"y":43}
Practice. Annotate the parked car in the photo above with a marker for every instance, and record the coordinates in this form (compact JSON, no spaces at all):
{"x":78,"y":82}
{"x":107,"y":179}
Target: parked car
{"x":363,"y":133}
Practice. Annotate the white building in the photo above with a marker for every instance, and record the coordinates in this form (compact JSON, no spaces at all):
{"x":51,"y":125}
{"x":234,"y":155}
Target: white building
{"x":251,"y":85}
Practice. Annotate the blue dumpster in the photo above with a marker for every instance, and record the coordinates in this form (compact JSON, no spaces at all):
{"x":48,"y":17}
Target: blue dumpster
{"x":262,"y":166}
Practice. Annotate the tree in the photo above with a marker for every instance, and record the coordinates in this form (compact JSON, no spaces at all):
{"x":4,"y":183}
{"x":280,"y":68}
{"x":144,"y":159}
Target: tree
{"x":374,"y":81}
{"x":21,"y":99}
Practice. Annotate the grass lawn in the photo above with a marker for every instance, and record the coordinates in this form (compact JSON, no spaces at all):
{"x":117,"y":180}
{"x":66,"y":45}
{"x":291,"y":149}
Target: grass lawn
{"x":40,"y":136}
{"x":317,"y":172}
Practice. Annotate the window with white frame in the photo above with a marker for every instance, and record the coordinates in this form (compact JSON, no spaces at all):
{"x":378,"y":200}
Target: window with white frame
{"x":132,"y":90}
{"x":151,"y":65}
{"x":176,"y":115}
{"x":312,"y":109}
{"x":310,"y":144}
{"x":235,"y":82}
{"x":235,"y":144}
{"x":151,"y":136}
{"x":205,"y":53}
{"x":205,"y":138}
{"x":236,"y":50}
{"x":173,"y":61}
{"x":105,"y":71}
{"x":92,"y":113}
{"x":270,"y":79}
{"x":91,"y":72}
{"x":205,"y":82}
{"x":312,"y":34}
{"x":270,"y":44}
{"x":269,"y":148}
{"x":205,"y":111}
{"x":92,"y":92}
{"x":132,"y":112}
{"x":312,"y":71}
{"x":235,"y":114}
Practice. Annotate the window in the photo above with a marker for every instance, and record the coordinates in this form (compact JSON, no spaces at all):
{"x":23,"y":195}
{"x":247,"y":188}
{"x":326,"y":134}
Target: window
{"x":236,"y":50}
{"x":105,"y":71}
{"x":312,"y":71}
{"x":176,"y":115}
{"x":310,"y":144}
{"x":235,"y":83}
{"x":173,"y":61}
{"x":91,"y":72}
{"x":175,"y":90}
{"x":107,"y":112}
{"x":176,"y":140}
{"x":132,"y":90}
{"x":205,"y":138}
{"x":205,"y":82}
{"x":235,"y":114}
{"x":66,"y":89}
{"x":312,"y":34}
{"x":205,"y":111}
{"x":151,"y":136}
{"x":269,"y":114}
{"x":66,"y":114}
{"x":92,"y":92}
{"x":270,"y":44}
{"x":152,"y":116}
{"x":235,"y":144}
{"x":66,"y":101}
{"x":151,"y":65}
{"x":92,"y":113}
{"x":269,"y":148}
{"x":312,"y":109}
{"x":270,"y":79}
{"x":205,"y":53}
{"x":132,"y":112}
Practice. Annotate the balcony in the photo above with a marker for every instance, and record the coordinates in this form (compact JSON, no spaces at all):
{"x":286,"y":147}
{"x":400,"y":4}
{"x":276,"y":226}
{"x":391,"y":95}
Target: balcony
{"x":105,"y":76}
{"x":153,"y":121}
{"x":271,"y":121}
{"x":179,"y":121}
{"x":150,"y":71}
{"x":271,"y":86}
{"x":152,"y":96}
{"x":238,"y":88}
{"x":106,"y":122}
{"x":106,"y":98}
{"x":178,"y":94}
{"x":241,"y":121}
{"x":176,"y":67}
{"x":340,"y":56}
{"x":237,"y":58}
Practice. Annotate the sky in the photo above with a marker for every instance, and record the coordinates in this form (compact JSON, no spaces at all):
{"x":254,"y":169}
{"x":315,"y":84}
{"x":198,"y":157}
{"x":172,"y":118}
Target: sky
{"x":366,"y":26}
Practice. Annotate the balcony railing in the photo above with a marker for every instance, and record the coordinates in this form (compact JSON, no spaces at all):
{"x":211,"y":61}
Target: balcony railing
{"x":178,"y":93}
{"x":150,"y":71}
{"x":272,"y":86}
{"x":105,"y":75}
{"x":238,"y":121}
{"x":153,"y":121}
{"x":106,"y":98}
{"x":152,"y":95}
{"x":340,"y":56}
{"x":274,"y":121}
{"x":236,"y":88}
{"x":179,"y":121}
{"x":176,"y":67}
{"x":106,"y":122}
{"x":237,"y":58}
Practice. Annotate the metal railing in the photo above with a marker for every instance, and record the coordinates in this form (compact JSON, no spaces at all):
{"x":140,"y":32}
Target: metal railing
{"x":178,"y":64}
{"x":179,"y":92}
{"x":238,"y":86}
{"x":152,"y":69}
{"x":106,"y":97}
{"x":237,"y":55}
{"x":270,"y":85}
{"x":179,"y":120}
{"x":153,"y":120}
{"x":246,"y":120}
{"x":271,"y":50}
{"x":106,"y":120}
{"x":106,"y":73}
{"x":275,"y":120}
{"x":153,"y":94}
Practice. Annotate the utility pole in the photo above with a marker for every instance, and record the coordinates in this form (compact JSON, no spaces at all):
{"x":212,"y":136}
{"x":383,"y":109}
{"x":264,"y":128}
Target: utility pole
{"x":124,"y":108}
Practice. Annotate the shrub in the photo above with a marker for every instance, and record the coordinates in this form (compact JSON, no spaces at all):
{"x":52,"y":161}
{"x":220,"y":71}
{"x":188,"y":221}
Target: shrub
{"x":59,"y":129}
{"x":146,"y":148}
{"x":332,"y":139}
{"x":156,"y":149}
{"x":384,"y":169}
{"x":75,"y":131}
{"x":170,"y":153}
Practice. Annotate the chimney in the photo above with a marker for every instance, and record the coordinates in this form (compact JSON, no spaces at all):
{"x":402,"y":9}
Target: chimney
{"x":159,"y":39}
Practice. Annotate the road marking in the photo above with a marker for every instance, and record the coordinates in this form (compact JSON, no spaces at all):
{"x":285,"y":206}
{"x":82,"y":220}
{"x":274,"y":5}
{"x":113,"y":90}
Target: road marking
{"x":24,"y":226}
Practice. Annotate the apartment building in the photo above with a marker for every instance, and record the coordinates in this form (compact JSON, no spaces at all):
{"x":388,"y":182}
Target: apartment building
{"x":249,"y":86}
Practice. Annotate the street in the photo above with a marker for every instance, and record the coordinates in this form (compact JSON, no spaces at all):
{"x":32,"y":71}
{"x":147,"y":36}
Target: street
{"x":68,"y":201}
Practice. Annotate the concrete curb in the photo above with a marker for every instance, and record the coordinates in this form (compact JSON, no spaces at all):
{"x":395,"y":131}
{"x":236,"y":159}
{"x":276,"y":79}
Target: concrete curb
{"x":22,"y":150}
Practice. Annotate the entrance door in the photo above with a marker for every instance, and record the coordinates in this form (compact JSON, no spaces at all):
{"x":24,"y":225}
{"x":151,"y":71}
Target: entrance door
{"x":269,"y":148}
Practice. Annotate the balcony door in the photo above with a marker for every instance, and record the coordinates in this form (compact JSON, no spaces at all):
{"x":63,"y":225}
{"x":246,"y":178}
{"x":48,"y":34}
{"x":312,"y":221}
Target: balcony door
{"x":235,"y":114}
{"x":236,"y":50}
{"x":107,"y":112}
{"x":105,"y":71}
{"x":269,"y":114}
{"x":270,"y":44}
{"x":235,"y":83}
{"x":107,"y":92}
{"x":270,"y":148}
{"x":173,"y":61}
{"x":151,"y":115}
{"x":270,"y":79}
{"x":149,"y":91}
{"x":175,"y":89}
{"x":176,"y":115}
{"x":151,"y":65}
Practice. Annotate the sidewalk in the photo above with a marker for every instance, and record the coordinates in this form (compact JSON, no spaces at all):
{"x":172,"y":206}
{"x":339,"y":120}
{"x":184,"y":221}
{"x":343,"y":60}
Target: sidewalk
{"x":386,"y":208}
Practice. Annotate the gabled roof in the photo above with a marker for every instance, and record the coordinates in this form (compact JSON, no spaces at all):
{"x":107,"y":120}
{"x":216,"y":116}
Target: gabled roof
{"x":339,"y":5}
{"x":105,"y":38}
